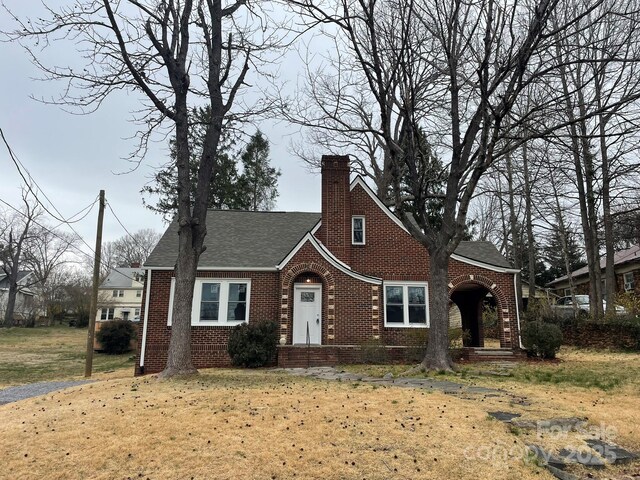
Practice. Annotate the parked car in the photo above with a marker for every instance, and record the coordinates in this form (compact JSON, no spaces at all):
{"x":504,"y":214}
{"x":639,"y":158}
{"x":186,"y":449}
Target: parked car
{"x":564,"y":307}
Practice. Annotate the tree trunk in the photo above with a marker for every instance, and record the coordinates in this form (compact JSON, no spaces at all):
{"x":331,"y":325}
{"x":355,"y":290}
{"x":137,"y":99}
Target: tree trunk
{"x":179,"y":355}
{"x":516,"y":252}
{"x":437,"y":356}
{"x":529,"y":226}
{"x":11,"y":301}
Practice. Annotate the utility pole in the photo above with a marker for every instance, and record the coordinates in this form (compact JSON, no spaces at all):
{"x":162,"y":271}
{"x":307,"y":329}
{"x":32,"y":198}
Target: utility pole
{"x":88,"y":365}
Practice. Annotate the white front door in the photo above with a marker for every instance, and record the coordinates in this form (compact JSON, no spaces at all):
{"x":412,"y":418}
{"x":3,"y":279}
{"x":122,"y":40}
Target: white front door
{"x":307,"y":313}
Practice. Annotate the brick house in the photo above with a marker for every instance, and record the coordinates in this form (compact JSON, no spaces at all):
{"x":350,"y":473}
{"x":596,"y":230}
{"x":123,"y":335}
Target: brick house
{"x":333,"y":281}
{"x":627,"y":270}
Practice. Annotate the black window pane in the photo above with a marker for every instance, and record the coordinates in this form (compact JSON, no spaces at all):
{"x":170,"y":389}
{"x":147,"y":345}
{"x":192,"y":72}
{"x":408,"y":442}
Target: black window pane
{"x":210,"y":292}
{"x":237,"y":311}
{"x":357,"y":236}
{"x":394,"y":314}
{"x":417,"y":314}
{"x":394,"y":295}
{"x":209,"y":311}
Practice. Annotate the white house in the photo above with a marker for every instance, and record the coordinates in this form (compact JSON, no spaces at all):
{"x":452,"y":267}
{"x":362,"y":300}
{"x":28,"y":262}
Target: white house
{"x":25,"y":306}
{"x":120,"y":295}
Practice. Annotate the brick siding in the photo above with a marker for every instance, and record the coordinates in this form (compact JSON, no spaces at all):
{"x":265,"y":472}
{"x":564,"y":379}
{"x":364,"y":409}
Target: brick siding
{"x":352,"y":309}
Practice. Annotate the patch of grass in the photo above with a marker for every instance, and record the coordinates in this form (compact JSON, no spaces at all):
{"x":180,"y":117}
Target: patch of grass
{"x":40,"y":354}
{"x":236,"y":424}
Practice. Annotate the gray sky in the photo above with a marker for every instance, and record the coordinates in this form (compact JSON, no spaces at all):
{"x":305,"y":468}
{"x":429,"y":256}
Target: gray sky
{"x":72,"y":157}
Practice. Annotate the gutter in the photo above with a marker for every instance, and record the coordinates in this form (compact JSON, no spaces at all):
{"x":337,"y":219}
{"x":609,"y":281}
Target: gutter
{"x":515,"y":286}
{"x":145,"y":322}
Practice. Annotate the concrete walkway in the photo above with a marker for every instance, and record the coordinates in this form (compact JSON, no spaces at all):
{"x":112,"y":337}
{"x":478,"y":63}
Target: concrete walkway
{"x":22,"y":392}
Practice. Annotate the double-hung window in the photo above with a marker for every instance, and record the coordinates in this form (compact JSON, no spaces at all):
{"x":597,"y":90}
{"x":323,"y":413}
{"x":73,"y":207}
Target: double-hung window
{"x":118,"y":293}
{"x":629,"y":282}
{"x":218,"y":302}
{"x":107,"y":313}
{"x":406,"y":305}
{"x":357,"y":230}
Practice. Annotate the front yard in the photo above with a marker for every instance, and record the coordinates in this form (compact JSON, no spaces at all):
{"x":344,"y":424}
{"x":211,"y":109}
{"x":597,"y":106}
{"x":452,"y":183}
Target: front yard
{"x":40,"y":354}
{"x":267,"y":424}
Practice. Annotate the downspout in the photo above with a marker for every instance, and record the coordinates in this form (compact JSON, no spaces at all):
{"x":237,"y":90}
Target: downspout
{"x":145,"y":321}
{"x":515,"y":283}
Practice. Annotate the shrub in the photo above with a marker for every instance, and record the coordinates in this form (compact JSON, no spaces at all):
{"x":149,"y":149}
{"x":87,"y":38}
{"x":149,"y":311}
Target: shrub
{"x":416,"y":341}
{"x":253,"y":344}
{"x":373,"y":352}
{"x":541,"y":339}
{"x":115,"y":336}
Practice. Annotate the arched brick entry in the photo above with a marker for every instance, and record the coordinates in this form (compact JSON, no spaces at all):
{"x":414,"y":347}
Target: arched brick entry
{"x":468,"y":292}
{"x":329,"y":284}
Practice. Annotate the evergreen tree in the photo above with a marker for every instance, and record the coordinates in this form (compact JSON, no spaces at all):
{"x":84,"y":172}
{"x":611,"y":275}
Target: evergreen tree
{"x":259,"y":180}
{"x":554,"y":257}
{"x":255,"y":188}
{"x":226,"y":191}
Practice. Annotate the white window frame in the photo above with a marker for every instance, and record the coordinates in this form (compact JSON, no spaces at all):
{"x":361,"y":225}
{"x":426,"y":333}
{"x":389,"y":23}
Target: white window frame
{"x":567,"y":292}
{"x":138,"y":293}
{"x":625,"y":282}
{"x":109,"y":310}
{"x":364,"y":230}
{"x":118,"y":293}
{"x":405,"y":304}
{"x":224,"y":302}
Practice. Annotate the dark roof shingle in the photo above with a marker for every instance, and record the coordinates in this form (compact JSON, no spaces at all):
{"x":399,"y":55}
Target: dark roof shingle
{"x":239,"y":239}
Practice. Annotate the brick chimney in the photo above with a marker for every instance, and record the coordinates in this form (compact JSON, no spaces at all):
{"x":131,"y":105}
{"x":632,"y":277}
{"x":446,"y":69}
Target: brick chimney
{"x":335,"y":232}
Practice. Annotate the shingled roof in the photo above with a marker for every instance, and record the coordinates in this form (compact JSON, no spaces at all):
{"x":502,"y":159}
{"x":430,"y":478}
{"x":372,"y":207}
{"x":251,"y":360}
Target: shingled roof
{"x":485,"y":252}
{"x":240,"y":239}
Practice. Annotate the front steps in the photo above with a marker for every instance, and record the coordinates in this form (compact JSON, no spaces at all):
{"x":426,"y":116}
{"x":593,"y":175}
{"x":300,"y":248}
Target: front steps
{"x":476,"y":354}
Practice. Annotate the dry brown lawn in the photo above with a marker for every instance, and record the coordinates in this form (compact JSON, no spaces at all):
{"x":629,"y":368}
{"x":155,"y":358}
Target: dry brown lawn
{"x":255,"y":425}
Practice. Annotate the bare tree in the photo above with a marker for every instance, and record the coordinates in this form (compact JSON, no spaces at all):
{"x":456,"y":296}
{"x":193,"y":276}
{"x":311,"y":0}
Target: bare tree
{"x":131,"y":249}
{"x":16,"y":231}
{"x":176,"y":54}
{"x":451,"y":71}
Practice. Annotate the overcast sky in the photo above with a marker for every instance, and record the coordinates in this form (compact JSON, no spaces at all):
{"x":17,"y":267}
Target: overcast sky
{"x":72,"y":157}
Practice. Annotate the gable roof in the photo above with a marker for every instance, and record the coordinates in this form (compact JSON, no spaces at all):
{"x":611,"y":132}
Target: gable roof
{"x":22,"y":275}
{"x":481,"y":251}
{"x":624,"y":256}
{"x":121,"y":277}
{"x":244,"y":240}
{"x":471,"y":252}
{"x":240,"y":239}
{"x":329,"y":257}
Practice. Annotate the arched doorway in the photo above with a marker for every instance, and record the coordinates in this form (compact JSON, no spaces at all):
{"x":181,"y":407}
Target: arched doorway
{"x":471,"y":295}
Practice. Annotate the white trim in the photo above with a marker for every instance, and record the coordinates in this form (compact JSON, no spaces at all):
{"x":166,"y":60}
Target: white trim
{"x":515,"y":297}
{"x":298,"y":287}
{"x":364,"y":230}
{"x":329,"y":257}
{"x":404,"y":284}
{"x":316,"y":227}
{"x":223,"y":302}
{"x":146,"y":320}
{"x":486,"y":266}
{"x":222,"y":269}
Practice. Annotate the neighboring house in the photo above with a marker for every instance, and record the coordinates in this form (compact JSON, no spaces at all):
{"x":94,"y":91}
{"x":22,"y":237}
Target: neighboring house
{"x":26,"y":301}
{"x":335,"y":280}
{"x":539,"y":293}
{"x":120,"y":295}
{"x":627,"y":269}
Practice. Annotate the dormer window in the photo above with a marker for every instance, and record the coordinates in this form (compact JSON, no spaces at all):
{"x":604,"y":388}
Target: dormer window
{"x":357,"y":230}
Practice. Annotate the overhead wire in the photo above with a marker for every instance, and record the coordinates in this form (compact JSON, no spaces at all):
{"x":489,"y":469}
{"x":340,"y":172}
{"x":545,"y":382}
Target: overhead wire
{"x":67,"y":241}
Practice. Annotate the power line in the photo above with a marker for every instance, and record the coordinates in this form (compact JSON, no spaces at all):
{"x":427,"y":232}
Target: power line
{"x":68,"y":242}
{"x":18,"y":164}
{"x":135,"y":240}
